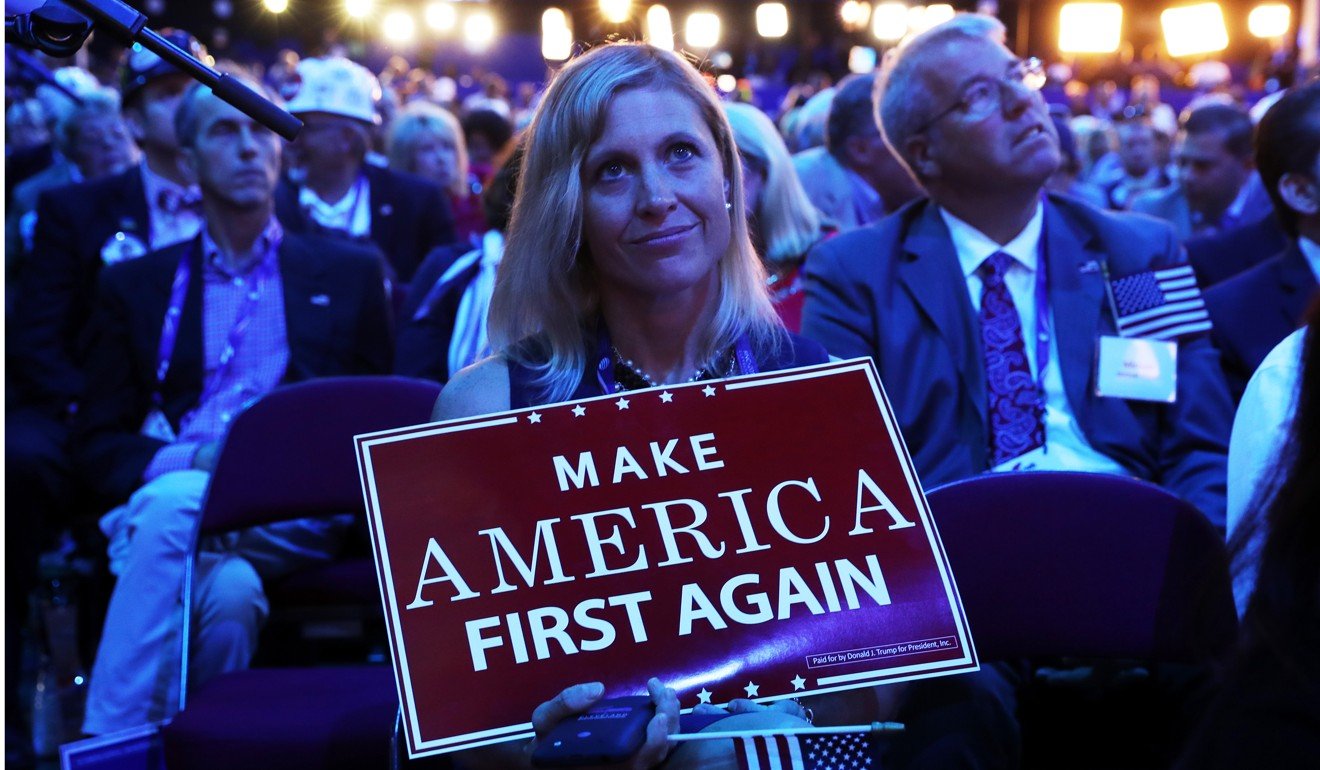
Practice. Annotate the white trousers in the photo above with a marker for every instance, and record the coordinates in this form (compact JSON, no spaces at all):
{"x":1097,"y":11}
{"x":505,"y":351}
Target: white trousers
{"x":135,"y":678}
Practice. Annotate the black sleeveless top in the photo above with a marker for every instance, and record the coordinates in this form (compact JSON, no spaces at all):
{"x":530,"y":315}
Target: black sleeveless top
{"x":795,"y":351}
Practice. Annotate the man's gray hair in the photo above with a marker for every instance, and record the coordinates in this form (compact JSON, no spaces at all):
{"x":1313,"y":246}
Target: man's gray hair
{"x":98,"y":103}
{"x":185,"y":118}
{"x":902,"y":103}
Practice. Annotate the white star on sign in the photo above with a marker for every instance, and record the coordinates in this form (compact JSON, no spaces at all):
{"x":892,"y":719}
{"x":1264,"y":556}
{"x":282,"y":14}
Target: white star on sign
{"x":752,"y":689}
{"x":704,"y":695}
{"x":622,"y":403}
{"x":798,"y":682}
{"x":709,"y":390}
{"x":534,"y":417}
{"x":579,"y":410}
{"x":666,"y":397}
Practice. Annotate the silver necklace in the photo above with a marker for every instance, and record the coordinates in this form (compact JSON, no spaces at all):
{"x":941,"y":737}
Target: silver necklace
{"x":646,"y":380}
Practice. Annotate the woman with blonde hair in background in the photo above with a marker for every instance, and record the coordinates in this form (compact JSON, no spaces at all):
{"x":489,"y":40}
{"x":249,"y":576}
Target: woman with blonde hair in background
{"x":426,"y":140}
{"x":783,"y":222}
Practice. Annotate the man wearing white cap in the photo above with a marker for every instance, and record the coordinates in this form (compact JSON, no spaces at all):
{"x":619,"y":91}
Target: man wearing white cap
{"x":333,"y":190}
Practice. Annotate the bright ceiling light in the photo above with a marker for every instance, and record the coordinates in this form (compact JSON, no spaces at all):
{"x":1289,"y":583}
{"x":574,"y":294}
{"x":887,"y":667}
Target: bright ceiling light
{"x":479,"y":31}
{"x":889,"y":22}
{"x":441,"y":17}
{"x":616,"y":11}
{"x":659,"y":27}
{"x":861,"y":59}
{"x":358,"y":9}
{"x":1194,"y":29}
{"x":938,"y":14}
{"x":772,"y":19}
{"x":726,"y":83}
{"x":702,"y":30}
{"x":1270,"y":20}
{"x":556,"y":35}
{"x":398,"y":27}
{"x":276,"y":6}
{"x":1090,"y":27}
{"x":854,"y":15}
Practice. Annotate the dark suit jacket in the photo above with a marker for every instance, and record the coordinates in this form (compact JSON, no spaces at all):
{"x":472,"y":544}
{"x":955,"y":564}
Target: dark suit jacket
{"x":423,"y":343}
{"x":348,"y":334}
{"x":1216,"y":258}
{"x":1253,"y":311}
{"x":59,"y":282}
{"x":409,"y":216}
{"x":895,"y":291}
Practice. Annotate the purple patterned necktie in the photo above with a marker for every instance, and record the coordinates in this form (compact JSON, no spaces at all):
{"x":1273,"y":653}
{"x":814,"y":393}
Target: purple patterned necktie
{"x":1016,"y":425}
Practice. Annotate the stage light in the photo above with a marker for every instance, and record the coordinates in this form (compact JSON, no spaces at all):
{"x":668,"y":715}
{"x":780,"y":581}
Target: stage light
{"x":702,"y":30}
{"x":398,"y":27}
{"x":861,"y":59}
{"x":659,"y":27}
{"x":616,"y":11}
{"x":726,"y":83}
{"x":854,"y":14}
{"x":358,"y":9}
{"x":937,"y":14}
{"x":1270,"y":20}
{"x":772,"y":19}
{"x":556,"y":35}
{"x":441,"y":17}
{"x":478,"y":31}
{"x":1194,"y":29}
{"x":1090,"y":27}
{"x":276,"y":6}
{"x":889,"y":22}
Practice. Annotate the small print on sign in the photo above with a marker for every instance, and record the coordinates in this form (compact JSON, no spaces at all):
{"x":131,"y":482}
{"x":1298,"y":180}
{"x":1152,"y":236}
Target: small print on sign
{"x":722,"y":536}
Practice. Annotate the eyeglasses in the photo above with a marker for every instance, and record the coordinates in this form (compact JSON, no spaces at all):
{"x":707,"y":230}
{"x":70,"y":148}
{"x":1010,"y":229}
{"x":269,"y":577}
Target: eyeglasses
{"x":984,"y":96}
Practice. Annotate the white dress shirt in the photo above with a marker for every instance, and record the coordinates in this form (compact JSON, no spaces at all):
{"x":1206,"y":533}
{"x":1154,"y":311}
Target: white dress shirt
{"x":351,"y":213}
{"x":171,"y":227}
{"x":1066,"y":447}
{"x":1259,"y":430}
{"x":1311,"y":250}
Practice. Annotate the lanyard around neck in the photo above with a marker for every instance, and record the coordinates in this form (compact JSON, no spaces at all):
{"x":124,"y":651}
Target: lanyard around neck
{"x":169,"y":332}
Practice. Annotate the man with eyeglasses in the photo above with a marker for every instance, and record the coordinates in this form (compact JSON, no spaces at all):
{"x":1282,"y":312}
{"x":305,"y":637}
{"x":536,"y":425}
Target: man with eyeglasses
{"x":983,"y":309}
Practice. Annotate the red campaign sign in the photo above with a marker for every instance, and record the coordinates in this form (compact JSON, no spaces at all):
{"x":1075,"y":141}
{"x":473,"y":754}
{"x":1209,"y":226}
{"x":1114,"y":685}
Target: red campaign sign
{"x":761,"y":536}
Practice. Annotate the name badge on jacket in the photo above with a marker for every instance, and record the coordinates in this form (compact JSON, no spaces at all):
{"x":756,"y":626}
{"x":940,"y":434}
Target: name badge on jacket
{"x":1137,"y":368}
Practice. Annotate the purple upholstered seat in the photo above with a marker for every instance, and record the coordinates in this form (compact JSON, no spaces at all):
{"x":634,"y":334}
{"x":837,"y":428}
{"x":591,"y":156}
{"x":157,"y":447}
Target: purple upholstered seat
{"x":287,"y":718}
{"x":289,"y":456}
{"x":1085,"y":565}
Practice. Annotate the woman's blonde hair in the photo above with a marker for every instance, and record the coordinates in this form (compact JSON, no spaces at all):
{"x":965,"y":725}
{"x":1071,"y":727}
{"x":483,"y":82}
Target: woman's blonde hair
{"x":417,"y":120}
{"x":787,"y":222}
{"x":545,"y":294}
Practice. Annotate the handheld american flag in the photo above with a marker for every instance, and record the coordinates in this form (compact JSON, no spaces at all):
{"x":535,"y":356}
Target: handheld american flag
{"x":852,"y":751}
{"x":1159,"y":304}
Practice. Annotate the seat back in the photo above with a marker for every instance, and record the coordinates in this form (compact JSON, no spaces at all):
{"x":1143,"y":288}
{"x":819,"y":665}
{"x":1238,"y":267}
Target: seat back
{"x":1085,"y":565}
{"x":292,"y":455}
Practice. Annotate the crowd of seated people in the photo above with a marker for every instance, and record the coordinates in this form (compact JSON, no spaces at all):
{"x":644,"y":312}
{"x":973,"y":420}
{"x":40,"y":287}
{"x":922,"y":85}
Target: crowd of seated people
{"x":175,"y":260}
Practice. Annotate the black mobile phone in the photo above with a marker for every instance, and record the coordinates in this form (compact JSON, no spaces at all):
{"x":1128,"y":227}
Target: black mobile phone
{"x":611,"y":731}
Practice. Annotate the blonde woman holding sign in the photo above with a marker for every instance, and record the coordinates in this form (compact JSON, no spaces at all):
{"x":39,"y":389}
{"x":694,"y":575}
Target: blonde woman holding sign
{"x":628,"y":265}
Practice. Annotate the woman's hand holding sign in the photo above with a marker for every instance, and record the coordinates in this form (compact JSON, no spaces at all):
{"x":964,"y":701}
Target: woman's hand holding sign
{"x":569,"y":733}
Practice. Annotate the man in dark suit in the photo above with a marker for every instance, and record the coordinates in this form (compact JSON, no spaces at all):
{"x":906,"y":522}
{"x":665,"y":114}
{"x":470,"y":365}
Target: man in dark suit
{"x":1217,"y":257}
{"x":905,"y":292}
{"x":1254,"y":310}
{"x":337,"y":191}
{"x":1218,"y":190}
{"x":182,"y":340}
{"x":982,"y":308}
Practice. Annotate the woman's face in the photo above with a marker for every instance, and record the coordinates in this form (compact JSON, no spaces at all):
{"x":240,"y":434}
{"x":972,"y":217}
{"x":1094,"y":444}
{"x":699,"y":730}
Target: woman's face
{"x":655,"y":218}
{"x":435,"y":158}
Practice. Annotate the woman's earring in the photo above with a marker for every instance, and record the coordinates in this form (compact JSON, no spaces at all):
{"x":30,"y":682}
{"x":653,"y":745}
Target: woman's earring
{"x":728,"y":205}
